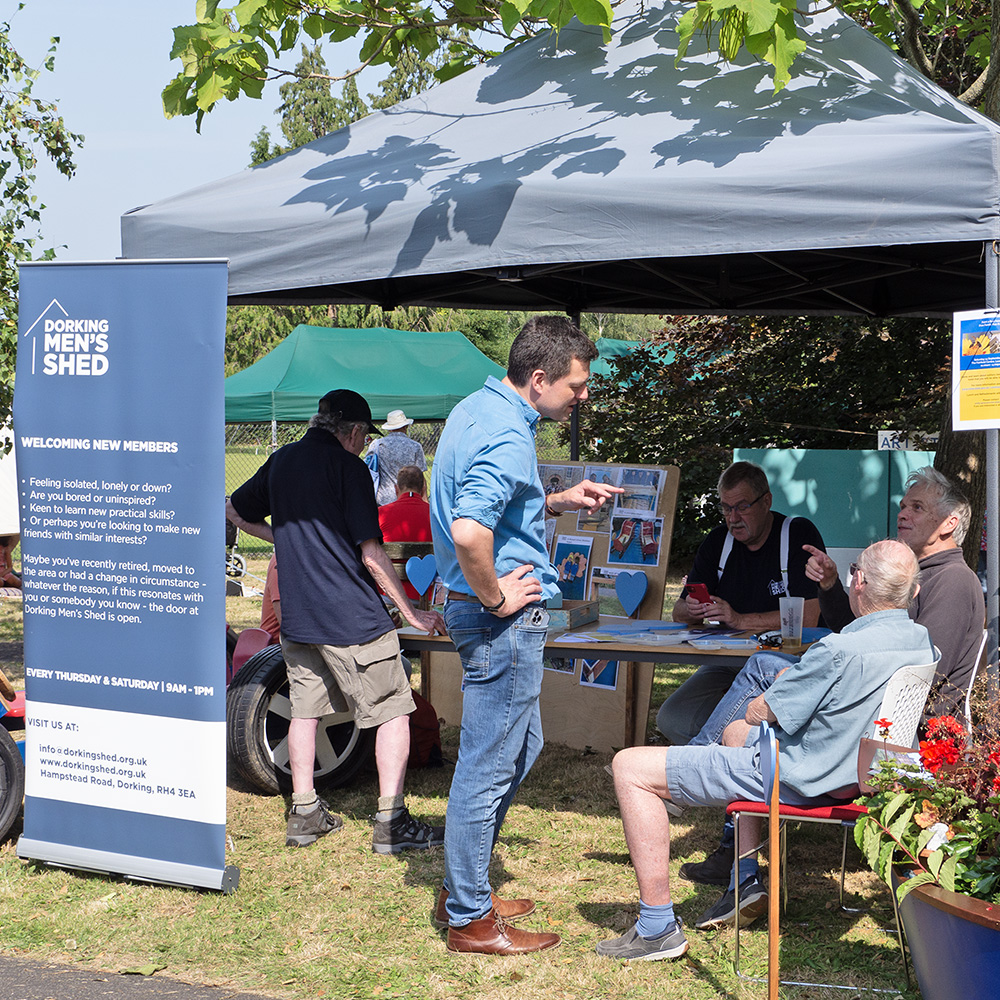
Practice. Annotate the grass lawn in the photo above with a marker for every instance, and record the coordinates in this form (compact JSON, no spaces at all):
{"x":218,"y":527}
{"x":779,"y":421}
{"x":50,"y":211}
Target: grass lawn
{"x":335,"y":920}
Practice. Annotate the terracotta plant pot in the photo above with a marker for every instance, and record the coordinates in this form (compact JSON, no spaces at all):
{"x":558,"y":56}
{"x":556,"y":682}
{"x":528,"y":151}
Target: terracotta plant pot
{"x":954,"y":943}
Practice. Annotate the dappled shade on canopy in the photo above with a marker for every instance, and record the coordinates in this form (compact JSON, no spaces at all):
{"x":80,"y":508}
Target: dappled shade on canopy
{"x":570,"y":174}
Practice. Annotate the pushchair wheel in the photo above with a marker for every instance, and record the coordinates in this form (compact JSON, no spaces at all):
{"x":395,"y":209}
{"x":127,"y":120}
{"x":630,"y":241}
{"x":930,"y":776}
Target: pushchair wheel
{"x":236,"y":565}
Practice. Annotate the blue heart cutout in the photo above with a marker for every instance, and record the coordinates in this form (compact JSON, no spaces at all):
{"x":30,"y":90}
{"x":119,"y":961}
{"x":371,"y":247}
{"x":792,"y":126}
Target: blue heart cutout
{"x":631,"y":589}
{"x":420,"y":572}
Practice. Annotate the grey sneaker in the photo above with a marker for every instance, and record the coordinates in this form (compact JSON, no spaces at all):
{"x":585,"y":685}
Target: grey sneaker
{"x":404,"y":833}
{"x":714,"y":870}
{"x":672,"y":944}
{"x":722,"y":913}
{"x":306,"y":828}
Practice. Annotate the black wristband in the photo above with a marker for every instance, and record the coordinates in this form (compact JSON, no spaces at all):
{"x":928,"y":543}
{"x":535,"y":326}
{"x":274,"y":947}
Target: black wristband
{"x":550,"y":511}
{"x":496,"y":607}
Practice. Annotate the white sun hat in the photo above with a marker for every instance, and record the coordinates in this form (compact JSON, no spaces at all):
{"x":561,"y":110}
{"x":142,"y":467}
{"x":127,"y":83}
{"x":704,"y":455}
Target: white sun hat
{"x":396,"y":421}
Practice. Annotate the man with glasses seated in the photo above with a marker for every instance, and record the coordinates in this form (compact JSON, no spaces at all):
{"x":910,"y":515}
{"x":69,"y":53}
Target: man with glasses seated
{"x":747,"y":563}
{"x":934,"y":517}
{"x":820,"y":707}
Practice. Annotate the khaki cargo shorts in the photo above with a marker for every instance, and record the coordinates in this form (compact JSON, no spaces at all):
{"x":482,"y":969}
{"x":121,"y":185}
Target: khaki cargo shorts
{"x":366,"y":680}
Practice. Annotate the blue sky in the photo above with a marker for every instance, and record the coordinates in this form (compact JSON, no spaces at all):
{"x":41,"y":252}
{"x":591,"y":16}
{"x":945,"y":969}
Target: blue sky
{"x":111,"y":64}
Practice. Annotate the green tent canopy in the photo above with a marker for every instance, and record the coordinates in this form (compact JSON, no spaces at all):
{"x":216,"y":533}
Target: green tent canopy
{"x":424,"y":374}
{"x":609,"y":348}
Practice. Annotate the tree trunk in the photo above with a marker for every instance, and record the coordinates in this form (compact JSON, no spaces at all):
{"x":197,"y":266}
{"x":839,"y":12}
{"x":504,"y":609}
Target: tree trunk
{"x":961,"y":456}
{"x":991,"y":98}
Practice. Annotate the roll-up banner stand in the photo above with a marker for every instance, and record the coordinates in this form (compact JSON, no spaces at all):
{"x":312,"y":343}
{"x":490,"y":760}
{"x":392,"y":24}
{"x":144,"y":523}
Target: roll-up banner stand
{"x":119,"y":431}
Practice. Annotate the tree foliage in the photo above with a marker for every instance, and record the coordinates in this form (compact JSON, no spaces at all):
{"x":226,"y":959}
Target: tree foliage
{"x":29,"y":128}
{"x":946,"y":41}
{"x":232,"y":50}
{"x":702,"y":386}
{"x":309,"y":109}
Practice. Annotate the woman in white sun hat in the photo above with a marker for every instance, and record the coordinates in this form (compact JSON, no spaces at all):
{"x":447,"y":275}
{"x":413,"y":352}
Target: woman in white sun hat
{"x":394,"y":451}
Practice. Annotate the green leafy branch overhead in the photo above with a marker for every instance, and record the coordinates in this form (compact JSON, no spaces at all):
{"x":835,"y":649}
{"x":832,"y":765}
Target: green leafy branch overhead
{"x":29,"y":128}
{"x":230,"y":51}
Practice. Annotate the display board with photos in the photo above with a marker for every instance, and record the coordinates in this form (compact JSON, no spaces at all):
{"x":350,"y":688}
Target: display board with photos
{"x":616,"y":555}
{"x":628,"y":537}
{"x":591,"y":701}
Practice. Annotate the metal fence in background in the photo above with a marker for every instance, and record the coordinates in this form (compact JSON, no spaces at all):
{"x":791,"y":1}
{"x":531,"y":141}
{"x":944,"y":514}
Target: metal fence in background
{"x":248,"y":445}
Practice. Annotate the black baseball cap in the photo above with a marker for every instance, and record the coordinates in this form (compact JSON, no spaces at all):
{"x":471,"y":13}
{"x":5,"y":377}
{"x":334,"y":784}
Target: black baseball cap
{"x":351,"y":406}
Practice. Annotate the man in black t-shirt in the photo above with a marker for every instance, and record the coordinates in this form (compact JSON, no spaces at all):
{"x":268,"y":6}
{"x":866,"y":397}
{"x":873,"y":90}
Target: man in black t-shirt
{"x":337,"y":639}
{"x":749,"y":562}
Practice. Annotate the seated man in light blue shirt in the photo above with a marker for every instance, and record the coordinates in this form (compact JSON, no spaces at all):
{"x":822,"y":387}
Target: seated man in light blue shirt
{"x":488,"y":512}
{"x":820,"y":706}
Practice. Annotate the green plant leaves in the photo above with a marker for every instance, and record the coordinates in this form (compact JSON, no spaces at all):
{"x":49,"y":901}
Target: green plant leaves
{"x":29,"y":127}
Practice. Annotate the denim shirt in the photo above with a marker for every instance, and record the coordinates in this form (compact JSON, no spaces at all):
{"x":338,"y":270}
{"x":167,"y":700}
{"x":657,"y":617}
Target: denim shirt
{"x":486,"y":469}
{"x":830,"y":698}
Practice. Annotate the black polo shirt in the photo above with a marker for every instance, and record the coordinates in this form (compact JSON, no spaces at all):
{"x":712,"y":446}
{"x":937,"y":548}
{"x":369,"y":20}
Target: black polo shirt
{"x":751,"y":581}
{"x":321,"y":502}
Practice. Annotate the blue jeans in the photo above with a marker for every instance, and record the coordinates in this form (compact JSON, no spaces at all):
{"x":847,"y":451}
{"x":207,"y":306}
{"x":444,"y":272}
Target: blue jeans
{"x":686,"y":711}
{"x":501,"y":738}
{"x":754,"y":679}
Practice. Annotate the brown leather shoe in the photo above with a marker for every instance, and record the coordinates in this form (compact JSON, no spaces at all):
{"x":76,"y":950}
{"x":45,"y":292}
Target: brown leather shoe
{"x":490,"y":935}
{"x":509,"y":909}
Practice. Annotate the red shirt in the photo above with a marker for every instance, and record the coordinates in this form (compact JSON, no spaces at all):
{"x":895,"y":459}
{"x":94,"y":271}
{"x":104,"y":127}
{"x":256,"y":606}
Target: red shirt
{"x":407,"y":519}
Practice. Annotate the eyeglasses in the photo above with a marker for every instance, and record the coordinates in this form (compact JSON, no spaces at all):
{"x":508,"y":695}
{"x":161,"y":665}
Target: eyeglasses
{"x":855,"y":570}
{"x":739,"y":508}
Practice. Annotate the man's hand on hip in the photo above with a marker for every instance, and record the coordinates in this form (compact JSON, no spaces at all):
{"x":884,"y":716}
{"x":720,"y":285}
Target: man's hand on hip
{"x":518,"y":590}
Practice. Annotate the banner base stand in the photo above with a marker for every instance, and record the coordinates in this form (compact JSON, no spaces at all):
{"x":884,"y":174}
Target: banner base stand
{"x":224,"y":880}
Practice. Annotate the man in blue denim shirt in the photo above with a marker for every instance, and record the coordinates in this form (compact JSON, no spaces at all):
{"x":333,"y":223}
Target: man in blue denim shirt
{"x":488,"y":512}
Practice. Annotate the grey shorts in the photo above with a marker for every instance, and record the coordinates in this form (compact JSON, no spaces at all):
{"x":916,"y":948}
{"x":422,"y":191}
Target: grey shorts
{"x":715,"y":775}
{"x":366,"y":680}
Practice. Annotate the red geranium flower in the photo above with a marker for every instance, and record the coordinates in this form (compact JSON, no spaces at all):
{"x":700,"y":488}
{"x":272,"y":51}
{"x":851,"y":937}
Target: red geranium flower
{"x":944,"y":727}
{"x":937,"y":752}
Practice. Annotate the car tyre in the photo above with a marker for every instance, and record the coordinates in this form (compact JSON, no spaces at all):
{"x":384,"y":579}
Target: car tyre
{"x":257,"y":716}
{"x":11,"y":783}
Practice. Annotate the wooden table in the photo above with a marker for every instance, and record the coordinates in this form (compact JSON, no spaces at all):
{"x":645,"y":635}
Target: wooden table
{"x":579,"y":716}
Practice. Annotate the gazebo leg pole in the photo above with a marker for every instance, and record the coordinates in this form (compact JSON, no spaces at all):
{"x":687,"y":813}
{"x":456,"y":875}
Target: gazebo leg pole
{"x":992,"y":505}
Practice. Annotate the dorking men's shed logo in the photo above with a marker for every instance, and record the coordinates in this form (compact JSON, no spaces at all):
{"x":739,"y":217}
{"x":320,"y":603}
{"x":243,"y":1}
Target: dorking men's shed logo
{"x":66,"y":345}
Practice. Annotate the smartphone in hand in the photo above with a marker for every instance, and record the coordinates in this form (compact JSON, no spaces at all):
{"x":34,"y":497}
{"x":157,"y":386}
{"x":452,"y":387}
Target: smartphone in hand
{"x":699,"y":592}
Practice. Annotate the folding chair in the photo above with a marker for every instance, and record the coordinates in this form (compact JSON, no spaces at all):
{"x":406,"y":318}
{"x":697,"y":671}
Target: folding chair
{"x":980,"y":660}
{"x":902,"y":702}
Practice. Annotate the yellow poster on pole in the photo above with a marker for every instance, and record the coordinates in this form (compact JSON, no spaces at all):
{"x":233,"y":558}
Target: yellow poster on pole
{"x":975,"y":399}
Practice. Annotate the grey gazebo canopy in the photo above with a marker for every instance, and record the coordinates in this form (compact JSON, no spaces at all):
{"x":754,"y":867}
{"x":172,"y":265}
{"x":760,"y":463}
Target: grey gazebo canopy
{"x":569,"y":174}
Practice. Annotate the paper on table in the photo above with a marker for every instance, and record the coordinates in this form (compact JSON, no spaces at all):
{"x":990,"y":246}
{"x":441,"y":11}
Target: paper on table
{"x":642,"y":638}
